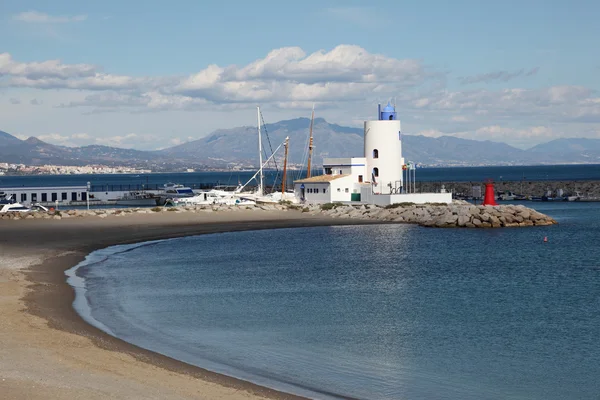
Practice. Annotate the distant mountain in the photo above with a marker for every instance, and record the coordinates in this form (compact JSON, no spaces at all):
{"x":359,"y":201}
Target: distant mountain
{"x":332,"y":140}
{"x":570,"y":149}
{"x":34,"y":151}
{"x":7,"y":139}
{"x":448,"y":150}
{"x":240,"y":146}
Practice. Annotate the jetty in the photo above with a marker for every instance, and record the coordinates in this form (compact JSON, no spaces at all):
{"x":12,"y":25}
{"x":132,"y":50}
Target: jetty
{"x":458,"y":214}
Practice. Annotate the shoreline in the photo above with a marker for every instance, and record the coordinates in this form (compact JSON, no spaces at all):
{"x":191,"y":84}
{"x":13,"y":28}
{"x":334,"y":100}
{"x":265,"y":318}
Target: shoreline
{"x":40,"y":297}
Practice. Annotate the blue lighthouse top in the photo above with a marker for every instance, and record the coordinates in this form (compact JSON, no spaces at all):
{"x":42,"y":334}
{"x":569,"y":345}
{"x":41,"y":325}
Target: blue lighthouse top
{"x":388,"y":113}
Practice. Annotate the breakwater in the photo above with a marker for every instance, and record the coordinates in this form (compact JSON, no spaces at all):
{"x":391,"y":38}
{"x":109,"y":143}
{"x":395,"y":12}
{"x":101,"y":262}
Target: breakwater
{"x":458,"y":214}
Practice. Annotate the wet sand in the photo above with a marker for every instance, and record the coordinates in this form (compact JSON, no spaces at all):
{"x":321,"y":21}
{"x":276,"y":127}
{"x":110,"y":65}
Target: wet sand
{"x":48,"y":352}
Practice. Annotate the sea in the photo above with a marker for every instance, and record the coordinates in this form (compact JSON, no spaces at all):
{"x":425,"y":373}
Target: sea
{"x":233,"y":178}
{"x":365,"y":312}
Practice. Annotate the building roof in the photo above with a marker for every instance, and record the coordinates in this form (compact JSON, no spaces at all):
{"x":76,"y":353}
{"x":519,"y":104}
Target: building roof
{"x":321,"y":178}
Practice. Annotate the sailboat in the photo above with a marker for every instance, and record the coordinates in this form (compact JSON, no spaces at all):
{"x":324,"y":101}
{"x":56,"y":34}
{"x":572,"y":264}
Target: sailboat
{"x":259,"y":196}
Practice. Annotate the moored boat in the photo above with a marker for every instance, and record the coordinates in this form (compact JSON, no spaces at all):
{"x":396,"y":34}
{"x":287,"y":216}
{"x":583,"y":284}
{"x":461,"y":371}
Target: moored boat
{"x":137,"y":199}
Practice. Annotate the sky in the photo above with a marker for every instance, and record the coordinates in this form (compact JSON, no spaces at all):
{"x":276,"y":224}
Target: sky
{"x":153,"y":74}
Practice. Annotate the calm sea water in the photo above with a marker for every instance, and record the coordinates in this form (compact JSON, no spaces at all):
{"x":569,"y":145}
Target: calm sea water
{"x":547,"y":172}
{"x":372,"y":312}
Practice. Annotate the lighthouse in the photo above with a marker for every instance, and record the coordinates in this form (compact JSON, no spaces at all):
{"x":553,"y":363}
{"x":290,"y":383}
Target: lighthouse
{"x":374,"y":178}
{"x":383,"y":151}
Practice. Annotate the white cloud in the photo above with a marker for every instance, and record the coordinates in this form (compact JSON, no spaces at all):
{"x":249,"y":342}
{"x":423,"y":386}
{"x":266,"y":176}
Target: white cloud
{"x":40,"y":71}
{"x":54,"y":138}
{"x":431,"y":133}
{"x":128,"y":141}
{"x":556,"y":103}
{"x":286,"y":75}
{"x":343,"y":83}
{"x":38,"y":17}
{"x":13,"y":100}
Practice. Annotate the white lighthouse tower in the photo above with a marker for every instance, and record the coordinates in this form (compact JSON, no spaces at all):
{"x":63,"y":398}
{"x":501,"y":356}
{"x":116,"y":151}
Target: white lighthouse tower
{"x":383,"y":151}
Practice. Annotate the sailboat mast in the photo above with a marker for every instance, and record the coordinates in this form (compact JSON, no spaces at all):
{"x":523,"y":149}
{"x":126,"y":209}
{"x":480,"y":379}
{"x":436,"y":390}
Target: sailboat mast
{"x":260,"y":185}
{"x":310,"y":143}
{"x":287,"y":140}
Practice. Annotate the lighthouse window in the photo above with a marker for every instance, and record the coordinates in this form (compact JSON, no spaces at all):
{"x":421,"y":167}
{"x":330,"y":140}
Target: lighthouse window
{"x":375,"y":171}
{"x":391,"y":117}
{"x":375,"y":153}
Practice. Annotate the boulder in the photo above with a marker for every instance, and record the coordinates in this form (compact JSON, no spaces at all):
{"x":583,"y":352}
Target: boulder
{"x":463,"y":220}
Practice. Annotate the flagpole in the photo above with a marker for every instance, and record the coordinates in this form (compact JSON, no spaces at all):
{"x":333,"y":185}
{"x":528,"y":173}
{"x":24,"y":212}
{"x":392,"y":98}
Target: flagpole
{"x":408,"y":176}
{"x":414,"y":180}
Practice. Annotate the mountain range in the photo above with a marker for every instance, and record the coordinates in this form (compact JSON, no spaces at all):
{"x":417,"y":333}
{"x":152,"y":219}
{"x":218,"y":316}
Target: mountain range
{"x":225,"y":148}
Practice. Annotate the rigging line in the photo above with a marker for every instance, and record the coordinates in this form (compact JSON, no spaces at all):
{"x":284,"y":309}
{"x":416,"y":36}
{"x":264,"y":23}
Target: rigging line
{"x":268,"y":139}
{"x":304,"y":158}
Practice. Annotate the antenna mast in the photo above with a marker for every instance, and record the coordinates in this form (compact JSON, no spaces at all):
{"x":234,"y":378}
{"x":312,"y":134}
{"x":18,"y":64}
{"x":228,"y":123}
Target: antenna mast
{"x":260,"y":185}
{"x":287,"y":140}
{"x":310,"y":143}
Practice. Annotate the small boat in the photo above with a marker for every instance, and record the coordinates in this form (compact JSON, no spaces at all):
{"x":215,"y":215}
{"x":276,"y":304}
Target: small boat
{"x":174,"y":191}
{"x":39,"y":207}
{"x":215,"y":196}
{"x":8,"y":204}
{"x":178,"y":190}
{"x":137,"y":198}
{"x":576,"y":197}
{"x":13,"y":207}
{"x":508,"y":195}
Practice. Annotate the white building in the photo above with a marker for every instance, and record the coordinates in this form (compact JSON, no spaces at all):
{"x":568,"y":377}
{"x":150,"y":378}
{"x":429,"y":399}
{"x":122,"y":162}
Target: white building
{"x":46,"y":195}
{"x":377,"y":178}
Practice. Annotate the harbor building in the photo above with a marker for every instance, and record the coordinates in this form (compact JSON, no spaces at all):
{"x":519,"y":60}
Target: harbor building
{"x":380,"y":177}
{"x":47,"y":195}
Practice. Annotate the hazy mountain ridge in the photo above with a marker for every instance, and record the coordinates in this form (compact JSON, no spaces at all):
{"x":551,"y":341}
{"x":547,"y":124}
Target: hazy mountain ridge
{"x":225,"y":147}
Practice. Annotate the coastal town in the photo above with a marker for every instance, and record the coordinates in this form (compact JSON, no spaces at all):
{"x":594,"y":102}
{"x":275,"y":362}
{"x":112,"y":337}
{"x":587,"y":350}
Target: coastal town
{"x":22,"y":169}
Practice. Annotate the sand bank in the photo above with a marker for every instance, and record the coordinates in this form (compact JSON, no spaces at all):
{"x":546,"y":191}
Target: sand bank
{"x":48,"y":352}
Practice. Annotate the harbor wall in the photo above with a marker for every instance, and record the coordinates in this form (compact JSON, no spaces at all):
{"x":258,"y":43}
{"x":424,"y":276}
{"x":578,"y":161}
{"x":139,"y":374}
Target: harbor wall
{"x":588,"y":189}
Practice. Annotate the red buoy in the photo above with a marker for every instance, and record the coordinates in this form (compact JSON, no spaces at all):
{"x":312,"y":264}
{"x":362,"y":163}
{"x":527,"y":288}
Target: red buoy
{"x":489,"y":198}
{"x":545,"y":238}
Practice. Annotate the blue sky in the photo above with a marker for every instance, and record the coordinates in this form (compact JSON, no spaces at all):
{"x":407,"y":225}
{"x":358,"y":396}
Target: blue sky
{"x":519,"y":72}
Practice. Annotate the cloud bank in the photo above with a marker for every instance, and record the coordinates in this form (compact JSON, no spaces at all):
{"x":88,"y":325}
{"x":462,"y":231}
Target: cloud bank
{"x":347,"y":78}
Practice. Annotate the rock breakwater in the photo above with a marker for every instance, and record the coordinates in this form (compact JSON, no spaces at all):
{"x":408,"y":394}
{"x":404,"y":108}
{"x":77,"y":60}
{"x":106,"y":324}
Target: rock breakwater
{"x":458,"y":214}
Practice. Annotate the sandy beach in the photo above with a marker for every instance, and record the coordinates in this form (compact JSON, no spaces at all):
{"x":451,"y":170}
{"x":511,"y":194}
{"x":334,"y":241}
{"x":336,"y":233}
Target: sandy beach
{"x":48,"y":352}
